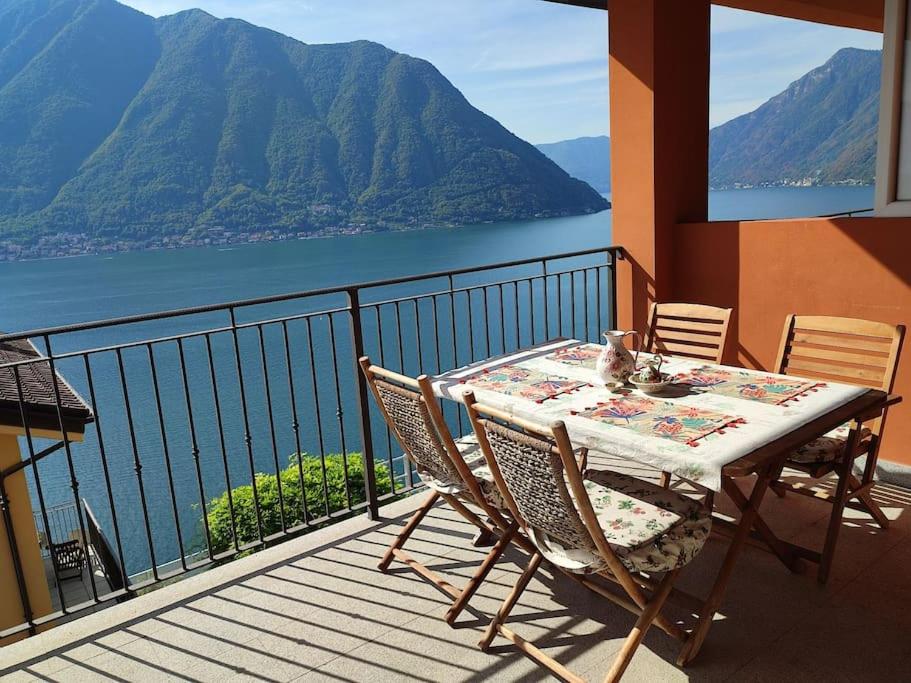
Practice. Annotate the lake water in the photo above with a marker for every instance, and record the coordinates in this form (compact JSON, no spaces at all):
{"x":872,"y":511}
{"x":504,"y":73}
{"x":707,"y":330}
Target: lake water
{"x":788,"y":202}
{"x":57,"y":292}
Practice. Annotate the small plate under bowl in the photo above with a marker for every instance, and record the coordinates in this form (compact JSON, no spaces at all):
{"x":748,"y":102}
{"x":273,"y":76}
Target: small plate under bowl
{"x":652,"y":387}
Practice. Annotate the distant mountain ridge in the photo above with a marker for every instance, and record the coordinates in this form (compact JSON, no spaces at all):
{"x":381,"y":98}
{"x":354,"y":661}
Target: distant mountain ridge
{"x":118,"y":126}
{"x":821,"y":130}
{"x":583,"y":158}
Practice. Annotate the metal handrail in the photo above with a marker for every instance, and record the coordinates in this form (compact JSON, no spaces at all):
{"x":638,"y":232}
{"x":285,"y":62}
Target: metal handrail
{"x":276,"y":298}
{"x":847,"y":214}
{"x":144,"y":391}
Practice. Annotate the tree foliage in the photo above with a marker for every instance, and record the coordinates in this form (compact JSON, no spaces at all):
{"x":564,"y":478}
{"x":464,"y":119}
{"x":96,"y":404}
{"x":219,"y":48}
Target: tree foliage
{"x":241,"y":503}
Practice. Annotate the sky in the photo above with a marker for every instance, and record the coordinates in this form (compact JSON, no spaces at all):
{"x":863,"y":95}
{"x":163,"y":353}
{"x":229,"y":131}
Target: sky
{"x":540,"y":68}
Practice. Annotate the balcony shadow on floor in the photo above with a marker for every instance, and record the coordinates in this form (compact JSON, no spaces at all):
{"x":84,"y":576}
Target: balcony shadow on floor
{"x":326,"y":613}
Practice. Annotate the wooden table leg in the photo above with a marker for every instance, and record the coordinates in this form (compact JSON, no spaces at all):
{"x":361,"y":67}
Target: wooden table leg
{"x":784,"y":551}
{"x":748,"y":516}
{"x":838,"y":507}
{"x":866,"y":500}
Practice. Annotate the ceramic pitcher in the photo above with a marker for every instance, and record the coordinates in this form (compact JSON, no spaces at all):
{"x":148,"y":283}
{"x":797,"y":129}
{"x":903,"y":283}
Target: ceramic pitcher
{"x":616,"y":363}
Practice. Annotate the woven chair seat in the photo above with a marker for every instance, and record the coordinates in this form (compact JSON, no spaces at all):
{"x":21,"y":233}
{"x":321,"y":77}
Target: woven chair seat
{"x":474,"y":458}
{"x":827,"y":448}
{"x":650,"y":528}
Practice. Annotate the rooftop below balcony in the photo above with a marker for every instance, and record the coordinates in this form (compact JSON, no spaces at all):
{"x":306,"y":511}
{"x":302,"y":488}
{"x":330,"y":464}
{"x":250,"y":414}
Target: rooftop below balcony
{"x":317,"y":607}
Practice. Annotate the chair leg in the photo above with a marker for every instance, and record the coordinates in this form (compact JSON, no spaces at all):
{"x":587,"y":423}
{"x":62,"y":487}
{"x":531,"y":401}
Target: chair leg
{"x":481,"y":573}
{"x":484,"y":538}
{"x":413,"y":523}
{"x":709,"y":500}
{"x":665,"y":481}
{"x":867,"y":501}
{"x":775,"y":484}
{"x":582,"y":460}
{"x":510,"y":601}
{"x":463,"y":510}
{"x":631,"y":644}
{"x":838,"y":508}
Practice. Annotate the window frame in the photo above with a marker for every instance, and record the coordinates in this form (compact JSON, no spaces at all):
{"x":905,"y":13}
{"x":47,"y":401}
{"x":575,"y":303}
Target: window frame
{"x":886,"y":202}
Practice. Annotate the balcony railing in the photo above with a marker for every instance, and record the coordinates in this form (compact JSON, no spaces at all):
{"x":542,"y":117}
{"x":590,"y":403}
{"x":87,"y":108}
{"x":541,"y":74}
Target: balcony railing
{"x":62,"y":526}
{"x":219,"y":429}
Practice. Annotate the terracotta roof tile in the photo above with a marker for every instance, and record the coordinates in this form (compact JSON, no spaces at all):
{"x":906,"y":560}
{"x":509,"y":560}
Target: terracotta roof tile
{"x":37,"y":386}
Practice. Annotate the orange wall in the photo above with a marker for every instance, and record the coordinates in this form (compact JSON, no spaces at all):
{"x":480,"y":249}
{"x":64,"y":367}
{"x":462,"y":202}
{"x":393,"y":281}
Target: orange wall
{"x":659,"y":99}
{"x":859,"y":267}
{"x":856,"y":267}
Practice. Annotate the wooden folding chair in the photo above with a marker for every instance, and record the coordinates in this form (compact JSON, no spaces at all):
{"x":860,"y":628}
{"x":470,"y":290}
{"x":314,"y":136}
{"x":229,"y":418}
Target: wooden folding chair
{"x":853,"y":351}
{"x":570,"y":527}
{"x":690,"y":330}
{"x":453,"y":470}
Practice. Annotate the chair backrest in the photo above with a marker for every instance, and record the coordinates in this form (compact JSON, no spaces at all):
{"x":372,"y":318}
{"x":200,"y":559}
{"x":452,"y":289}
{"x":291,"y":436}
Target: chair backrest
{"x":531,"y":465}
{"x":849,"y":350}
{"x":691,"y":330}
{"x":532,"y":471}
{"x":406,"y":411}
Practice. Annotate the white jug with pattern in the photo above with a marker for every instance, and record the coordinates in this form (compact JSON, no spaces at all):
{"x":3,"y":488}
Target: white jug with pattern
{"x":616,"y":364}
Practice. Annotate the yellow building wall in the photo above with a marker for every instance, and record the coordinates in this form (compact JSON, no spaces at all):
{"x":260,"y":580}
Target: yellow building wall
{"x":11,"y":608}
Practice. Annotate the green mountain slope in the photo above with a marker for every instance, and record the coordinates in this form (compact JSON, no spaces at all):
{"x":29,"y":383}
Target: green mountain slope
{"x":586,"y":158}
{"x":118,"y":126}
{"x":820,"y":130}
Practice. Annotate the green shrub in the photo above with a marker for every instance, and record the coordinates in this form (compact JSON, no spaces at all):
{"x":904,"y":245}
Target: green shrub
{"x":219,"y":509}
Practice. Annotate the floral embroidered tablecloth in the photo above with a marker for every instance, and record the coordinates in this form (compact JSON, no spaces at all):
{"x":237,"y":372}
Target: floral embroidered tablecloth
{"x":512,"y":380}
{"x":664,"y":419}
{"x":713,"y":416}
{"x":747,"y":384}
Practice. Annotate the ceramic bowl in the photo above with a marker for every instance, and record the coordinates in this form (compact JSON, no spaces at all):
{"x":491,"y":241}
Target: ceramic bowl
{"x":652,"y":387}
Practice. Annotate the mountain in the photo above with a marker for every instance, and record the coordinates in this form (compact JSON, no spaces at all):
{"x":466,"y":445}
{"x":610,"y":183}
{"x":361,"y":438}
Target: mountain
{"x":820,"y":131}
{"x":586,"y":158}
{"x":118,"y":126}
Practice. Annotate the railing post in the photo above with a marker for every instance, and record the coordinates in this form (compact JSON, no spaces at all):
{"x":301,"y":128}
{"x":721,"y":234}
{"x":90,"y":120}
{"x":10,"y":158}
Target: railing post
{"x":616,"y":255}
{"x":363,"y":408}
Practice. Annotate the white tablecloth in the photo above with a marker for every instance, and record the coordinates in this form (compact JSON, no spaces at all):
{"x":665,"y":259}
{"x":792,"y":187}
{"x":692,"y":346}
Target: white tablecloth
{"x":761,"y":423}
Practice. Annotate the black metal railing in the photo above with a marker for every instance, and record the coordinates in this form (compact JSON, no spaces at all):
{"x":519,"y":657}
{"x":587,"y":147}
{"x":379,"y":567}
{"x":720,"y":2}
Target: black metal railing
{"x":63,"y":525}
{"x":101,"y":554}
{"x":222,"y":428}
{"x":847,"y":214}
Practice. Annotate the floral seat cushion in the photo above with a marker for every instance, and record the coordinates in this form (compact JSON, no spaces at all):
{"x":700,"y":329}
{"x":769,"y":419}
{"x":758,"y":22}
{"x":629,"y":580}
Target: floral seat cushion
{"x":651,"y":529}
{"x":826,"y":448}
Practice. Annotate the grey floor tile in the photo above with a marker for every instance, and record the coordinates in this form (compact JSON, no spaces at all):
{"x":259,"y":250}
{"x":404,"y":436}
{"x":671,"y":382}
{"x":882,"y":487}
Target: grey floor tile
{"x":329,"y":614}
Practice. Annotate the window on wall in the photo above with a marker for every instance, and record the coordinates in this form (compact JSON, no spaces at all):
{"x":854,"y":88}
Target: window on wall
{"x":793,"y":115}
{"x":893,"y":170}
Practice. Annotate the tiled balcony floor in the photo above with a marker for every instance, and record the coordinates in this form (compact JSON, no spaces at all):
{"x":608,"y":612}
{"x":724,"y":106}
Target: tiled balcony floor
{"x":75,"y":590}
{"x":317,"y":609}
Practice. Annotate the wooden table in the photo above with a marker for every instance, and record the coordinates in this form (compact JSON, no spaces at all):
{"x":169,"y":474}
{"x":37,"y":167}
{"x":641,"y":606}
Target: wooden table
{"x":765,"y":463}
{"x":770,"y":445}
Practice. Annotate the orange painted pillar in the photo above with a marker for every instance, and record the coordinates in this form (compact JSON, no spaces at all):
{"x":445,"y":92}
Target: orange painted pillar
{"x":659,"y":105}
